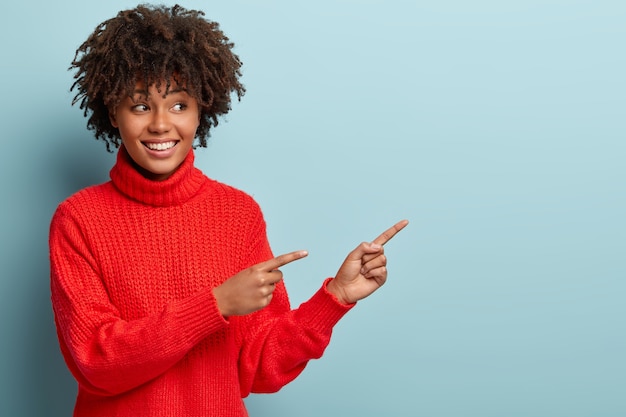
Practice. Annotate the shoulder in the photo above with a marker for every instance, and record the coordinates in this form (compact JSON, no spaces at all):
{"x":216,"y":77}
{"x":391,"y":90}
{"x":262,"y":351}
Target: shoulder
{"x":233,"y":196}
{"x":86,"y":200}
{"x":91,"y":194}
{"x":235,"y":210}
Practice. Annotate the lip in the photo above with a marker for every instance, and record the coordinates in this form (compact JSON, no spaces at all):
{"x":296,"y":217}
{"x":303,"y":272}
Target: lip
{"x":160,"y":154}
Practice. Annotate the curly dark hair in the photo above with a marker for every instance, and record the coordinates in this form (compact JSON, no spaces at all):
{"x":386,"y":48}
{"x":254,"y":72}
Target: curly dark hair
{"x":155,"y":44}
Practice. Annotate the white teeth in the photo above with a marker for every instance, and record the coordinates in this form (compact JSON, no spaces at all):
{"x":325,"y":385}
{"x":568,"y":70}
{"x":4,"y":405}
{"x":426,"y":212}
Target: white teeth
{"x":160,"y":146}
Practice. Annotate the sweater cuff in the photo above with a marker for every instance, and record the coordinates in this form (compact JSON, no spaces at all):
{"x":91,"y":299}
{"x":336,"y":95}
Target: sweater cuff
{"x":199,"y":316}
{"x":322,"y":311}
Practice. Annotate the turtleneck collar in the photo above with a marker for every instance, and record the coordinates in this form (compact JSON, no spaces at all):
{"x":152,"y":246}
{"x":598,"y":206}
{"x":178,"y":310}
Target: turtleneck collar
{"x":183,"y":184}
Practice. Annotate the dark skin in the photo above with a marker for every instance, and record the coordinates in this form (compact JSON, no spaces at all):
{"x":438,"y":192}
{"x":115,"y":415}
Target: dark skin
{"x":363,"y":271}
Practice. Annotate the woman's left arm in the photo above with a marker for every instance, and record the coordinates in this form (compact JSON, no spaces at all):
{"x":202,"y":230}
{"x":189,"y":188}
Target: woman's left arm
{"x":277,"y":343}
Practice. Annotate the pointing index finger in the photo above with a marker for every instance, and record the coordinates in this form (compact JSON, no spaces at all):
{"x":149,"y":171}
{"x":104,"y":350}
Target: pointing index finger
{"x":391,"y":232}
{"x":284,"y":259}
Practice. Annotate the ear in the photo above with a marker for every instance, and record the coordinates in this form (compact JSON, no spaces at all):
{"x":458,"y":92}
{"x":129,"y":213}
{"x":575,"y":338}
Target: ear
{"x":113,"y":119}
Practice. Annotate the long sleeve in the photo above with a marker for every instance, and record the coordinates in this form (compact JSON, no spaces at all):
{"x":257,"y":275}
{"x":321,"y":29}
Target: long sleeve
{"x":277,"y":342}
{"x":110,"y":355}
{"x":276,"y":350}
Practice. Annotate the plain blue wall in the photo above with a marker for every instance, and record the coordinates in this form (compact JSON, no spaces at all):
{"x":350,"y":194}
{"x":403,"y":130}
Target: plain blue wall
{"x":497,"y":127}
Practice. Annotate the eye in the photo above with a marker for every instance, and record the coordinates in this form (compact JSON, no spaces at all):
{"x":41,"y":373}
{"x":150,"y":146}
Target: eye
{"x":179,"y":107}
{"x":140,"y":108}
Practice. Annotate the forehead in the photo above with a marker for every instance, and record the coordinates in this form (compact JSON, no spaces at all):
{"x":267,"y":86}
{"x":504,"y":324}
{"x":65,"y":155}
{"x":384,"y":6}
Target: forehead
{"x":159,"y":88}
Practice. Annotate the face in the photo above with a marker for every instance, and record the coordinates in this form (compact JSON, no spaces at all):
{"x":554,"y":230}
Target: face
{"x":158,"y":132}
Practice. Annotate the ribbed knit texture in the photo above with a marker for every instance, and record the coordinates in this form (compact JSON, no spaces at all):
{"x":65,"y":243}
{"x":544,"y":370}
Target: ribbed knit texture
{"x":133,"y":264}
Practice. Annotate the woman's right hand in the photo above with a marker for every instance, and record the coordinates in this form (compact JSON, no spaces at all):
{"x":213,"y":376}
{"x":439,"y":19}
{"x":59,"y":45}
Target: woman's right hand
{"x":251,"y":289}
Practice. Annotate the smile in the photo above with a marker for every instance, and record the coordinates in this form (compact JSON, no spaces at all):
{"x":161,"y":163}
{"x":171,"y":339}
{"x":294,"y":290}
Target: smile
{"x":159,"y":146}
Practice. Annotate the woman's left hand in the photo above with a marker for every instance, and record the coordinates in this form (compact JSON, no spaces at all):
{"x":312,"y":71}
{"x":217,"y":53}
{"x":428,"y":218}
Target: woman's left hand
{"x":365,"y":268}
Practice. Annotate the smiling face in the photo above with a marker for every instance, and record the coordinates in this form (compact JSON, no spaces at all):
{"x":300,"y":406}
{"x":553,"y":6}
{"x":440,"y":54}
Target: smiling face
{"x":158,"y":132}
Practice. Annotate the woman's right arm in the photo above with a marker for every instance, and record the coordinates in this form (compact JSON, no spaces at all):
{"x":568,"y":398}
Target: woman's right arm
{"x":106,"y":354}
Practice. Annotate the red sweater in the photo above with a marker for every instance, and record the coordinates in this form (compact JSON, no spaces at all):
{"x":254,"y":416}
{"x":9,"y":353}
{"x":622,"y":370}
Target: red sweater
{"x":133,"y":264}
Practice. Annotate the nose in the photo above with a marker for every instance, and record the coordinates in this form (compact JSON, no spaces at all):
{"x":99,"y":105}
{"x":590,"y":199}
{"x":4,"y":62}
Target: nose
{"x":160,"y":122}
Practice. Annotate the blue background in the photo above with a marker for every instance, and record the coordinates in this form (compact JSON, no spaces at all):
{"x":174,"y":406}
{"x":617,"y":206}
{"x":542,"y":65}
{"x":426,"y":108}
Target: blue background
{"x":496,"y":127}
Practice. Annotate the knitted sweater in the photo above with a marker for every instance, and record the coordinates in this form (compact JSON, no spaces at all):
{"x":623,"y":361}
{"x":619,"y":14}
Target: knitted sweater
{"x":133,"y":264}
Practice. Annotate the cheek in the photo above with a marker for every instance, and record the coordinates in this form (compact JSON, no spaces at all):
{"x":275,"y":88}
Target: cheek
{"x":125,"y":134}
{"x":193,"y":125}
{"x":129,"y":126}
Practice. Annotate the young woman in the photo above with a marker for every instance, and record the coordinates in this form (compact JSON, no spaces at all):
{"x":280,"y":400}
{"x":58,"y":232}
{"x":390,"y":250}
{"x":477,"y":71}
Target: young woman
{"x":167,"y":297}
